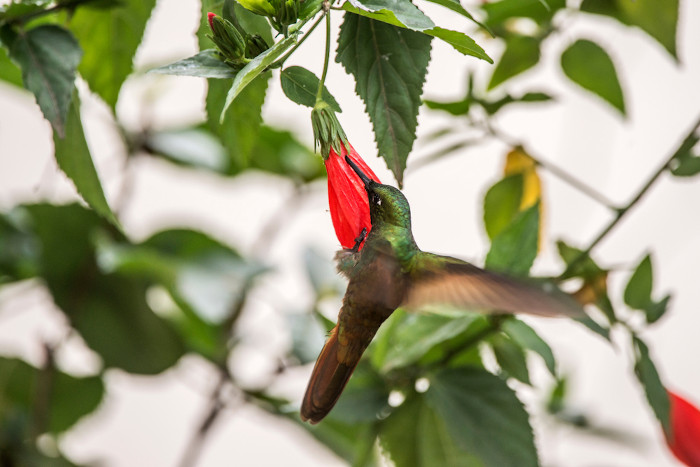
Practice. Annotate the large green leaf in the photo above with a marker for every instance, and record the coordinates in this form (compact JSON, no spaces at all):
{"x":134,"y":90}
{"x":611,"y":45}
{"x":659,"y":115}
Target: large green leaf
{"x":521,"y":53}
{"x":255,"y":68}
{"x":353,"y":442}
{"x":458,"y":40}
{"x":205,"y":64}
{"x":514,"y":248}
{"x":389,"y":64}
{"x":654,"y":389}
{"x":279,"y":152}
{"x":483,"y":417}
{"x":416,"y":335}
{"x":108,"y":310}
{"x":403,"y":11}
{"x":588,"y":65}
{"x":67,"y":398}
{"x":19,"y":252}
{"x":48,"y":56}
{"x":502,"y":204}
{"x":239,"y":130}
{"x":658,"y":19}
{"x":415,"y":435}
{"x":74,"y":159}
{"x":110,"y":37}
{"x":300,"y":85}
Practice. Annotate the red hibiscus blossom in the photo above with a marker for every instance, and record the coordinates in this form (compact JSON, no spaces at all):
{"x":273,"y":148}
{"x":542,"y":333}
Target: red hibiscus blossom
{"x":347,"y":197}
{"x":684,"y":439}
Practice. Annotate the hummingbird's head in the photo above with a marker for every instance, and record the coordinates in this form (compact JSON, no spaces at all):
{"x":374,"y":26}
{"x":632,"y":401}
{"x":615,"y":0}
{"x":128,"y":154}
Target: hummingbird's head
{"x":387,"y":205}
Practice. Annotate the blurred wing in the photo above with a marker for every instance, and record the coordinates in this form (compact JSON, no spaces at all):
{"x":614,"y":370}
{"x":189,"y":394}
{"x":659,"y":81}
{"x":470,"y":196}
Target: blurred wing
{"x":442,"y":280}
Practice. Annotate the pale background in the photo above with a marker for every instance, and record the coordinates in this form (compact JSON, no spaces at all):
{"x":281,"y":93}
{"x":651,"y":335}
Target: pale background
{"x":147,"y":421}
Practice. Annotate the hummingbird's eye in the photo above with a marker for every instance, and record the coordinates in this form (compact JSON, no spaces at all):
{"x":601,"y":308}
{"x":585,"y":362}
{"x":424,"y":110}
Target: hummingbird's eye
{"x":376,"y":199}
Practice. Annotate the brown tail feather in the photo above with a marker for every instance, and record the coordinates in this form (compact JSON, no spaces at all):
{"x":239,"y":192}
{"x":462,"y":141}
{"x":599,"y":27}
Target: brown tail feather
{"x":327,"y":381}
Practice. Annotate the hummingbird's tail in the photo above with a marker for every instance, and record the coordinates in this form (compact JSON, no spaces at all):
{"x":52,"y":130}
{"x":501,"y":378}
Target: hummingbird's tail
{"x":328,"y":379}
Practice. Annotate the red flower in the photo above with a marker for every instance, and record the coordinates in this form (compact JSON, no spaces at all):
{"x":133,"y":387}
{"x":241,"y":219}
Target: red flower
{"x":210,"y":17}
{"x":684,"y":439}
{"x":347,"y":197}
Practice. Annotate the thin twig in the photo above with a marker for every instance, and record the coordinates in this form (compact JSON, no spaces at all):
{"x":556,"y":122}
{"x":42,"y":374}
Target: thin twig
{"x":196,"y":443}
{"x":624,"y":210}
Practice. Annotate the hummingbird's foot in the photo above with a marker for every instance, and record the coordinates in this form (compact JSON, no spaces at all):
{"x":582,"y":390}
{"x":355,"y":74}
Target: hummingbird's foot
{"x":359,"y":240}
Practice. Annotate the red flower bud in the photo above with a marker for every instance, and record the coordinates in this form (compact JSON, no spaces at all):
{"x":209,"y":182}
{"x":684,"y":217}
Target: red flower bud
{"x":210,"y":17}
{"x":684,"y":439}
{"x":347,"y":197}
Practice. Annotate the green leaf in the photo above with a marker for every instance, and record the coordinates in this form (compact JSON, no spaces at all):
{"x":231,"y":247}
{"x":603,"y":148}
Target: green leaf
{"x":365,"y":397}
{"x":499,"y":12}
{"x":19,"y":254}
{"x":514,"y":249}
{"x":654,"y":390}
{"x":48,"y":56}
{"x":483,"y":416}
{"x":638,"y":290}
{"x":108,"y":310}
{"x":585,"y":268}
{"x":194,"y":147}
{"x":68,"y":398}
{"x":686,"y":161}
{"x":279,"y":152}
{"x":588,"y":65}
{"x":521,"y":53}
{"x":415,"y":435}
{"x":502,"y":204}
{"x":15,"y":10}
{"x":658,"y":19}
{"x":350,"y":441}
{"x":254,"y":69}
{"x":455,"y":6}
{"x":239,"y":131}
{"x":655,"y":310}
{"x":527,"y":338}
{"x":110,"y":38}
{"x":417,"y":334}
{"x":511,"y":358}
{"x":205,"y":64}
{"x":74,"y":159}
{"x":300,"y":86}
{"x":389,"y":65}
{"x":491,"y":107}
{"x":460,"y":42}
{"x":396,"y":12}
{"x":455,"y":108}
{"x":595,"y":327}
{"x":9,"y":72}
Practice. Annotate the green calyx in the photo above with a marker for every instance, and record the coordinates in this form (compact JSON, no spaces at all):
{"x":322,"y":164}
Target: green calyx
{"x":282,"y":13}
{"x":235,"y":45}
{"x":327,"y":130}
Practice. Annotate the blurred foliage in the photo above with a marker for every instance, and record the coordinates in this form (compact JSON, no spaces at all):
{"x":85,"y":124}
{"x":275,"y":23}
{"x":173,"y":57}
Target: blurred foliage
{"x":424,"y":393}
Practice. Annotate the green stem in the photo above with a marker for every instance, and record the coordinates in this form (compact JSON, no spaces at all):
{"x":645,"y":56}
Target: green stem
{"x":319,"y":92}
{"x":621,"y":212}
{"x":281,"y":61}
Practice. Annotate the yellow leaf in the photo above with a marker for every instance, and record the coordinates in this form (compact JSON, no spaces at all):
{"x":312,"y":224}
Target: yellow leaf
{"x":518,"y":161}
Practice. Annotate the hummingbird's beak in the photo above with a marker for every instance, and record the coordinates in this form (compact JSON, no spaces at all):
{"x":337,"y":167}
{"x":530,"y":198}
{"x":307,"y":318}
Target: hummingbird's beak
{"x":365,"y":179}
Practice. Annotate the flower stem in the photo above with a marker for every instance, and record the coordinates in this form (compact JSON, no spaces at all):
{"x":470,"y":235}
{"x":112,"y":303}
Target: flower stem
{"x":319,"y":92}
{"x":281,"y":61}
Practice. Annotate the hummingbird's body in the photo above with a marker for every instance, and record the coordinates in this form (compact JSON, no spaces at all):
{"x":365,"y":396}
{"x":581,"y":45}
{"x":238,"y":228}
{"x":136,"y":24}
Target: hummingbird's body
{"x":391,"y":271}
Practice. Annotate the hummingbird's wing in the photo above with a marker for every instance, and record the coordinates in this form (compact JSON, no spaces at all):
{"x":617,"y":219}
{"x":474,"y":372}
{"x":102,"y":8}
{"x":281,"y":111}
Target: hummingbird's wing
{"x":443,"y":280}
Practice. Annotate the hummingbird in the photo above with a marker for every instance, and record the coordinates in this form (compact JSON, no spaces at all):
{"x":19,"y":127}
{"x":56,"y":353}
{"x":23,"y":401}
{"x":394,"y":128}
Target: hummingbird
{"x":389,"y":272}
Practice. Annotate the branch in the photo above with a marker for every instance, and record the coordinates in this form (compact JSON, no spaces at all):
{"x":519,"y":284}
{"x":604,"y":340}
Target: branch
{"x":621,"y":212}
